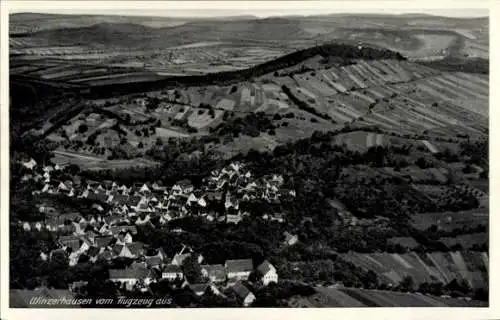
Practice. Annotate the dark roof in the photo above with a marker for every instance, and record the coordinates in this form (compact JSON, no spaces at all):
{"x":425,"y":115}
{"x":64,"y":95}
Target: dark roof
{"x":265,"y":267}
{"x":129,"y":273}
{"x":185,"y":183}
{"x":241,"y":291}
{"x":216,"y":271}
{"x":106,"y":255}
{"x":240,"y":265}
{"x":135,"y":247}
{"x":117,"y":248}
{"x":93,"y":251}
{"x":118,"y":229}
{"x":154,"y":261}
{"x":73,"y":242}
{"x":211,"y":196}
{"x":103,"y":241}
{"x":100,"y":197}
{"x":119,"y":198}
{"x":172,"y":268}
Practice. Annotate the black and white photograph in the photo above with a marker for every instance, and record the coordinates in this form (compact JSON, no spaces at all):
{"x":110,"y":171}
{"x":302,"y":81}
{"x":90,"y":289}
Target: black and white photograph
{"x":295,"y":155}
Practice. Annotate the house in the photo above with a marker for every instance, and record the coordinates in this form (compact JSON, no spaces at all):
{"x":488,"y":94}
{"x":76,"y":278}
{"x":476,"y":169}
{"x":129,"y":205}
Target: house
{"x":93,"y":253}
{"x":244,"y":296}
{"x":277,"y":217}
{"x":156,"y":186}
{"x":124,"y":237}
{"x":145,"y":189}
{"x":267,"y":273}
{"x":202,"y":202}
{"x":105,"y":255}
{"x":104,"y":241}
{"x":184,"y":186}
{"x":231,"y":202}
{"x":234,"y":218}
{"x":26,"y":177}
{"x":130,"y":277}
{"x":48,"y":169}
{"x":191,"y":199}
{"x":27,"y":226}
{"x":213,"y":196}
{"x":179,"y":258}
{"x":172,"y":272}
{"x":136,"y":248}
{"x":77,"y":285}
{"x":123,"y":250}
{"x":154,"y":262}
{"x":31,"y":164}
{"x":290,"y":239}
{"x":238,"y":269}
{"x":72,"y":242}
{"x":214,"y":272}
{"x":117,"y":229}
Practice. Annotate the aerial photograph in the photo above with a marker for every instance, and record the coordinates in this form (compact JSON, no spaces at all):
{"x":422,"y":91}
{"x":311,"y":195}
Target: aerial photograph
{"x":248,"y":159}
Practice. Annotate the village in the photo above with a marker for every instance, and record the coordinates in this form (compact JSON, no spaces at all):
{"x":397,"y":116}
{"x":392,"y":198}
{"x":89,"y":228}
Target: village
{"x":111,"y":233}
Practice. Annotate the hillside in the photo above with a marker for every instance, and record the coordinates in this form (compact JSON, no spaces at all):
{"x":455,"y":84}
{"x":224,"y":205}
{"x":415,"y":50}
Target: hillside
{"x":348,"y":152}
{"x":416,"y":37}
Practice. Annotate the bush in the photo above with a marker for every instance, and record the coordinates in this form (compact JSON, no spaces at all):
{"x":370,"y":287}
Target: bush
{"x":83,"y":128}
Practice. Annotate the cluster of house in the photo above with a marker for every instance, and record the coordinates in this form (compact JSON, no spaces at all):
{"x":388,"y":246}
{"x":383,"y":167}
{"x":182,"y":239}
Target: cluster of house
{"x":110,"y":235}
{"x":218,"y":199}
{"x":152,"y":265}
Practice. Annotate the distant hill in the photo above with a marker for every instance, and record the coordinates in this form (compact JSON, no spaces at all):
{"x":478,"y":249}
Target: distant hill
{"x":415,"y":36}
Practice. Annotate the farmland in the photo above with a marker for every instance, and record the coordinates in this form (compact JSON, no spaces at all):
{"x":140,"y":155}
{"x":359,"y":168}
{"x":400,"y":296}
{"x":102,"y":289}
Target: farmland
{"x":352,"y":298}
{"x":425,"y":268}
{"x":378,"y":127}
{"x":451,"y":220}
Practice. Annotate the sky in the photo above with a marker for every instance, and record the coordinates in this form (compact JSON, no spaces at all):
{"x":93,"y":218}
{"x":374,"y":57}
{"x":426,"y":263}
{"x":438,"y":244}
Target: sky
{"x":455,"y":8}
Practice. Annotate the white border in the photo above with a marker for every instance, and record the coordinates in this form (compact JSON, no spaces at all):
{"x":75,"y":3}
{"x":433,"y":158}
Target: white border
{"x":273,"y":6}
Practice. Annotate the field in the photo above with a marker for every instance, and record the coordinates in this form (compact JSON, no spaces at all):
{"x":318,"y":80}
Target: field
{"x":429,"y":267}
{"x":88,"y":162}
{"x":451,"y":220}
{"x":467,"y":241}
{"x":352,"y":298}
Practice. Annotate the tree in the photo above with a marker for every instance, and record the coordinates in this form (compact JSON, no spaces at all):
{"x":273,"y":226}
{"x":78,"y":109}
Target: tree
{"x":140,"y":145}
{"x":192,"y":270}
{"x":407,"y":284}
{"x":83,"y":128}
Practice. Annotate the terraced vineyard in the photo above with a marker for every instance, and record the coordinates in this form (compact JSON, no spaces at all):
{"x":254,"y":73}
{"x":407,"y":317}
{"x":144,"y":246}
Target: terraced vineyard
{"x":352,"y":298}
{"x":443,"y":267}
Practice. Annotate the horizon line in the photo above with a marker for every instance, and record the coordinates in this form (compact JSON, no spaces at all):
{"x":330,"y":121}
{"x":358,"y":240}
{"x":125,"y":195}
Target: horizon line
{"x":250,"y":14}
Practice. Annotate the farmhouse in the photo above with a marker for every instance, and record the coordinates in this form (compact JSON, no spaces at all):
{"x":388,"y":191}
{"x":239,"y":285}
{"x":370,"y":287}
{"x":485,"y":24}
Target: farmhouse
{"x":290,"y":239}
{"x":214,"y":272}
{"x":131,"y":276}
{"x":267,"y":273}
{"x":183,"y":187}
{"x":172,"y":272}
{"x":31,"y":164}
{"x":154,"y":262}
{"x":244,"y":296}
{"x":238,"y":269}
